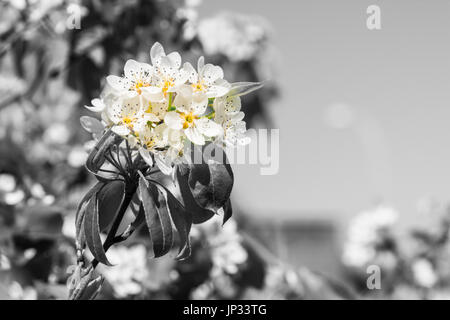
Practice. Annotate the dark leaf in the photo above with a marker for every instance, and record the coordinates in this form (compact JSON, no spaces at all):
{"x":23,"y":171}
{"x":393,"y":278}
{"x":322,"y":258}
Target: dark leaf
{"x":199,"y":214}
{"x":92,"y":231}
{"x":157,"y":217}
{"x":211,"y":183}
{"x":227,"y":211}
{"x":182,"y":220}
{"x":110,"y":198}
{"x":81,"y":212}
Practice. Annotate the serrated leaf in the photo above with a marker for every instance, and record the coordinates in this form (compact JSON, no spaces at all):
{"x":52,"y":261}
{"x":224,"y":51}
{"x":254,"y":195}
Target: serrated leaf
{"x":92,"y":232}
{"x":157,"y":217}
{"x":110,"y":197}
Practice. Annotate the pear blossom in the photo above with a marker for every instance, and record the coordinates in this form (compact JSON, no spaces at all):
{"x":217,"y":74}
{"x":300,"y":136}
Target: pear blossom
{"x":167,"y":76}
{"x":229,"y":116}
{"x":208,"y":80}
{"x":124,"y":115}
{"x":189,"y":118}
{"x":137,"y":77}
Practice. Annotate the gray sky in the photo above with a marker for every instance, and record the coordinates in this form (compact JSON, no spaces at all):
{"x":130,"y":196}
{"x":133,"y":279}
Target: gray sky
{"x":391,"y":88}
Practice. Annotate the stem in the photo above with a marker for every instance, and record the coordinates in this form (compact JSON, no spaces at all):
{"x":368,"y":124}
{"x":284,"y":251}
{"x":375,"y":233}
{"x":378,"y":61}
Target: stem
{"x":111,"y":237}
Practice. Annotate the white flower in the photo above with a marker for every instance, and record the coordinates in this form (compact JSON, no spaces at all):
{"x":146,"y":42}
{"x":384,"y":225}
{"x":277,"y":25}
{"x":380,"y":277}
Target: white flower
{"x":188,"y":117}
{"x":167,"y":74}
{"x":208,"y":80}
{"x":138,"y":76}
{"x":150,"y":138}
{"x":229,"y":116}
{"x":124,"y":114}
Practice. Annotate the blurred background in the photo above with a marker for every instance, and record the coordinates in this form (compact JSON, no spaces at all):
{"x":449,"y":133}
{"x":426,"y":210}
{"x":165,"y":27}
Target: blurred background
{"x":363,"y":127}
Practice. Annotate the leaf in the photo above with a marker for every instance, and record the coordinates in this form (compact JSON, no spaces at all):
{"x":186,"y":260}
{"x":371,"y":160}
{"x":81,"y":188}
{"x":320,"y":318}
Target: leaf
{"x":242,"y":88}
{"x":97,"y":156}
{"x":199,"y":214}
{"x":92,"y":231}
{"x":81,"y":209}
{"x":110,"y":197}
{"x":182,"y":220}
{"x":91,"y":124}
{"x":86,"y":288}
{"x":227,"y":211}
{"x":157,"y":217}
{"x":211,"y":183}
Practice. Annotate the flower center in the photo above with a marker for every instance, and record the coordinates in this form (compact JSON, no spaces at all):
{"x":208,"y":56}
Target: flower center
{"x":188,"y":119}
{"x":199,"y":86}
{"x":150,"y":143}
{"x":129,"y":121}
{"x":150,"y":108}
{"x":168,"y":83}
{"x":139,"y":85}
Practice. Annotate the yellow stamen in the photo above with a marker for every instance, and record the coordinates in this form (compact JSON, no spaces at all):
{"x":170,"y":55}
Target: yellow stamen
{"x":168,"y":83}
{"x":188,"y":119}
{"x":139,"y":85}
{"x":199,"y":86}
{"x":127,"y":120}
{"x":149,"y":109}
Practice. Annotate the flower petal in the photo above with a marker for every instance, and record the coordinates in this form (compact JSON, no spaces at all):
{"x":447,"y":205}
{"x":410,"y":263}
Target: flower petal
{"x":156,"y":52}
{"x":200,"y":64}
{"x":192,"y":74}
{"x":175,"y":59}
{"x":145,"y":154}
{"x":118,"y":83}
{"x":211,"y":73}
{"x":97,"y":106}
{"x":150,"y":117}
{"x":218,"y":89}
{"x":194,"y":135}
{"x":199,"y":104}
{"x":208,"y":127}
{"x":173,"y":120}
{"x":121,"y":130}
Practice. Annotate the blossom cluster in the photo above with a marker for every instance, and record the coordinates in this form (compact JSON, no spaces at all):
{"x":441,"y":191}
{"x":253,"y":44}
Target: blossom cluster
{"x":161,"y":107}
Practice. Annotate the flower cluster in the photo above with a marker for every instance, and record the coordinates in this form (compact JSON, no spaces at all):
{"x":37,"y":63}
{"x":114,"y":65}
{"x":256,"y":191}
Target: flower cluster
{"x":162,"y":107}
